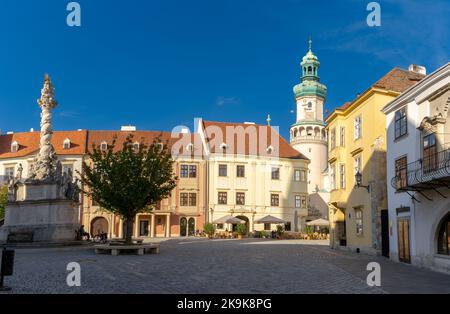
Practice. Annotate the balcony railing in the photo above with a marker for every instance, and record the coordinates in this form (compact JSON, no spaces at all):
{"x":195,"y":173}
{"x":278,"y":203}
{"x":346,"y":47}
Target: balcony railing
{"x":427,"y":173}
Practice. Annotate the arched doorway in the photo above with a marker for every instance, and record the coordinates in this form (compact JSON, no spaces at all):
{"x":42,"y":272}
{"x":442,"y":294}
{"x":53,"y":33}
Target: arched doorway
{"x":183,"y":227}
{"x":99,"y":225}
{"x":191,"y":227}
{"x":246,"y":223}
{"x":444,"y":236}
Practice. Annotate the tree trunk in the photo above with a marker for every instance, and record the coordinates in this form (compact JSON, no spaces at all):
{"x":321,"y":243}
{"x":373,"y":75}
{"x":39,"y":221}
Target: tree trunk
{"x":129,"y":233}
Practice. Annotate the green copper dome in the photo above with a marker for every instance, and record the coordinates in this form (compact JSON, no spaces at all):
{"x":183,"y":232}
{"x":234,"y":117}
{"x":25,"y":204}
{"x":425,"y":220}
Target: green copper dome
{"x":310,"y":85}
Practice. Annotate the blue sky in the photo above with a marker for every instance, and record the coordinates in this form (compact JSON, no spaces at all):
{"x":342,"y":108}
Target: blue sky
{"x":160,"y":63}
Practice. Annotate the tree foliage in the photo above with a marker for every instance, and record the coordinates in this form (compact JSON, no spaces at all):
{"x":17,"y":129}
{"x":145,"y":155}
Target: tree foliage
{"x":3,"y":200}
{"x":129,"y":181}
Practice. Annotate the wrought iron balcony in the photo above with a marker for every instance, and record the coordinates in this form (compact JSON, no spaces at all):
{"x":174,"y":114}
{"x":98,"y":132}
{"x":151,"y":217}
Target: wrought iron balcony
{"x":428,"y":173}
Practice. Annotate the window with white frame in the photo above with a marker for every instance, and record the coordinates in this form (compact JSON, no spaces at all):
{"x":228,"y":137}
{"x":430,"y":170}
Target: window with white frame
{"x":358,"y":127}
{"x":66,"y":144}
{"x":332,"y":138}
{"x":401,"y":123}
{"x":303,"y":176}
{"x":297,"y":175}
{"x":333,"y":176}
{"x":342,"y":176}
{"x":298,"y":201}
{"x":342,"y":137}
{"x":14,"y":147}
{"x":359,"y":221}
{"x":66,"y":168}
{"x":9,"y":171}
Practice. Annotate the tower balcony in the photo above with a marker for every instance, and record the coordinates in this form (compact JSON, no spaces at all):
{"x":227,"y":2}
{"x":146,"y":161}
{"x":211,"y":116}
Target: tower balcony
{"x":308,"y":138}
{"x":428,"y":173}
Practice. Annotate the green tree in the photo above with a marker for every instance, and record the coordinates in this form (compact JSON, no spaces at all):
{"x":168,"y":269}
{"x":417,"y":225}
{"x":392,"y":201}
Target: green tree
{"x":129,"y":181}
{"x":3,"y":200}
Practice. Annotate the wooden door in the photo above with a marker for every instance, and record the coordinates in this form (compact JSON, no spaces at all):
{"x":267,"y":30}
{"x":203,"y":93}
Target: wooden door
{"x":404,"y":250}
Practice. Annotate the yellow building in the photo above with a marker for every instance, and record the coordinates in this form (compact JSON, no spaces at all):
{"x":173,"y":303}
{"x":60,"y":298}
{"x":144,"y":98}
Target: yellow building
{"x":357,"y":145}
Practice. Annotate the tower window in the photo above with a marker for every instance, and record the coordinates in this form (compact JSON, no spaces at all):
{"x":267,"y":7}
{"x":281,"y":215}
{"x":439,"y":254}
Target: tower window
{"x":309,"y":70}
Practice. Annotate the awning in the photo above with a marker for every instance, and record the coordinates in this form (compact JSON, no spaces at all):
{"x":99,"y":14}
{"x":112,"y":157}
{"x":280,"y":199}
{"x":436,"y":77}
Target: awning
{"x":229,"y":220}
{"x":270,"y":220}
{"x":319,"y":222}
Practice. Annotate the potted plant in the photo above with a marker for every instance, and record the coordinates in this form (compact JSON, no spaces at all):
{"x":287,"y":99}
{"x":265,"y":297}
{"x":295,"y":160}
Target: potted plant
{"x":280,"y":231}
{"x":241,"y":230}
{"x":209,"y":230}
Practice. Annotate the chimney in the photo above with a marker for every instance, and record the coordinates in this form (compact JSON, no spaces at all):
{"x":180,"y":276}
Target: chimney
{"x":129,"y":128}
{"x":417,"y":69}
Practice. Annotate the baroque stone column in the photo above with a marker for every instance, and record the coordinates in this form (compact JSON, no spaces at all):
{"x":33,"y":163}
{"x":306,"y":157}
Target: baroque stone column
{"x":46,"y":167}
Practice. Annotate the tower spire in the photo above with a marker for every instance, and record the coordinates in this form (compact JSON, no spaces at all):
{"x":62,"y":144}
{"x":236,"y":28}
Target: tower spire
{"x":310,"y":43}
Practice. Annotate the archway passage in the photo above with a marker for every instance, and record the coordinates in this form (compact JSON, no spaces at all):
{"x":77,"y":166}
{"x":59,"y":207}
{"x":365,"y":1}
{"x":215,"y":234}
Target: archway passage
{"x":183,"y":227}
{"x":246,"y":223}
{"x":191,"y":227}
{"x":99,"y":225}
{"x":444,"y":236}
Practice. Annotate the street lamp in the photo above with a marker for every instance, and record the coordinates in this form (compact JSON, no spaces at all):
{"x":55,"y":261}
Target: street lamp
{"x":358,"y":179}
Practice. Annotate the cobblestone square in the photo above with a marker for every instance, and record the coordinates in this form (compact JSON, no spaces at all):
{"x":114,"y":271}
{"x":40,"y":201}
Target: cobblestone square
{"x":219,"y":266}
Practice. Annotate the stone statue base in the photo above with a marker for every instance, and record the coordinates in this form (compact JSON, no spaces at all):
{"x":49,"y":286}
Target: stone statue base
{"x":40,"y":214}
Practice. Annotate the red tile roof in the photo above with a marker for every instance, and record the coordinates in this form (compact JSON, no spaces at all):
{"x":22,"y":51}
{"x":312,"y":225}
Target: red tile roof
{"x":178,"y":142}
{"x":29,"y":143}
{"x":257,"y":146}
{"x":397,"y":80}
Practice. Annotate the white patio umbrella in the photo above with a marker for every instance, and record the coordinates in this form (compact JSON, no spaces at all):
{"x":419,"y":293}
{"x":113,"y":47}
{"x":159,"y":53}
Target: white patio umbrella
{"x":270,"y":220}
{"x":319,"y":222}
{"x":229,"y":220}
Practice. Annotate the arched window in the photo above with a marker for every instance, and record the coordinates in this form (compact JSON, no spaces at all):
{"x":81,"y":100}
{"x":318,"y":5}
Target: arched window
{"x":191,"y":227}
{"x":136,"y":146}
{"x":310,"y":70}
{"x":295,"y":133}
{"x":444,"y":236}
{"x":66,"y":144}
{"x":14,"y":147}
{"x":183,"y":227}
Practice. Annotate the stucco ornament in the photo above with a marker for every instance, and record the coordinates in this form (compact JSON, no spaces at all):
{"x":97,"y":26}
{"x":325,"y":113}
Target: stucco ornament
{"x":46,"y":165}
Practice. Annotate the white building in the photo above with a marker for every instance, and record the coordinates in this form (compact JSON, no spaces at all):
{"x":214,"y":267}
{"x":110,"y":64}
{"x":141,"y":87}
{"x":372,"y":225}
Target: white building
{"x":253,"y":173}
{"x":418,"y":167}
{"x":308,"y":134}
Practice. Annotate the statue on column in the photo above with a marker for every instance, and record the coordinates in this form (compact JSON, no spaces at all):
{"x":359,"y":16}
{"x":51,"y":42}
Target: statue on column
{"x":46,"y":164}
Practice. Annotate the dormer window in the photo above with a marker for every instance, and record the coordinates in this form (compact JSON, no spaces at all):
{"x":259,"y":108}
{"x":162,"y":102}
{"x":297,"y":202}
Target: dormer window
{"x":136,"y":146}
{"x":14,"y":147}
{"x":161,"y":147}
{"x":104,"y":146}
{"x":66,"y":144}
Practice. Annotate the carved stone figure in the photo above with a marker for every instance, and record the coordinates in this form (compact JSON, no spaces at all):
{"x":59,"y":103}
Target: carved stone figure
{"x":19,"y":172}
{"x":11,"y":190}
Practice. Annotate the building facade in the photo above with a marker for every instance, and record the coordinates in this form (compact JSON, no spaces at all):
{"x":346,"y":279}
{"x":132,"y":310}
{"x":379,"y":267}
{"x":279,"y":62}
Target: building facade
{"x":253,"y":173}
{"x":308,"y":134}
{"x":418,"y":166}
{"x":357,"y":145}
{"x":181,"y":214}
